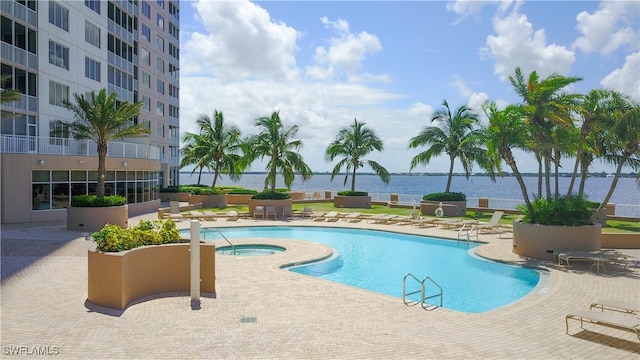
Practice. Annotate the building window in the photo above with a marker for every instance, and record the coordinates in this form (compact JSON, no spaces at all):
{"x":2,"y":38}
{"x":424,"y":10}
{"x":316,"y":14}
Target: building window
{"x":58,"y":133}
{"x":160,"y":86}
{"x":160,"y":43}
{"x":160,"y":108}
{"x":91,"y":69}
{"x":146,"y":32}
{"x":146,"y":9}
{"x":174,"y":31}
{"x":146,"y":103}
{"x":93,"y":5}
{"x":58,"y":15}
{"x":58,"y":93}
{"x":174,"y":51}
{"x":146,"y":80}
{"x":173,"y":91}
{"x":161,"y":3}
{"x":173,"y":10}
{"x":146,"y":56}
{"x":92,"y":34}
{"x":160,"y":65}
{"x":58,"y":55}
{"x":160,"y":22}
{"x":173,"y":111}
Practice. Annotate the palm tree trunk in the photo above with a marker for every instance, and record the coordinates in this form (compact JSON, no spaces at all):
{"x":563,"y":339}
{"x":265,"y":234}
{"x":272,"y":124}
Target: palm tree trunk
{"x":556,"y":164}
{"x":353,"y":179}
{"x":575,"y":167}
{"x":604,"y":202}
{"x":507,"y":156}
{"x":215,"y":175}
{"x":539,"y":159}
{"x":450,"y":175}
{"x":547,"y":176}
{"x":200,"y":174}
{"x":102,"y":169}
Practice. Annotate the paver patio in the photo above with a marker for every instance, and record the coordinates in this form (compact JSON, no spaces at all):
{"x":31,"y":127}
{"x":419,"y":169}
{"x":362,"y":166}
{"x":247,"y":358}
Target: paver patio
{"x":261,"y":311}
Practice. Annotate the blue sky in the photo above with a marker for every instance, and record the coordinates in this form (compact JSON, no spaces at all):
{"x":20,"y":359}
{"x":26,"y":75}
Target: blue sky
{"x":391,"y":64}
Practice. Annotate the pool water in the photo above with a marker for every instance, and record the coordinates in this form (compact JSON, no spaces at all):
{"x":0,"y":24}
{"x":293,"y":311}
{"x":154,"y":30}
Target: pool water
{"x":250,"y":250}
{"x":378,"y":261}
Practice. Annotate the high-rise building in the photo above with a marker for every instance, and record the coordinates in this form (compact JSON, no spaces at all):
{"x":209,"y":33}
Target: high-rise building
{"x":54,"y":49}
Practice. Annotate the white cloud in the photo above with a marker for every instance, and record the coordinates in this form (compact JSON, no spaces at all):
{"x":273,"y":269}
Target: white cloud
{"x":474,"y":99}
{"x":515,"y":44}
{"x":625,"y":79}
{"x":242,"y":41}
{"x":345,"y":53}
{"x":609,"y":28}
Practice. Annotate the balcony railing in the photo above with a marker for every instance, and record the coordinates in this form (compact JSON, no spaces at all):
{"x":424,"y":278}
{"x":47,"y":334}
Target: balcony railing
{"x":20,"y":144}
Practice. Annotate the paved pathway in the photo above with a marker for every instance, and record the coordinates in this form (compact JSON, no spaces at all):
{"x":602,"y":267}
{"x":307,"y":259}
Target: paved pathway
{"x":263,"y":312}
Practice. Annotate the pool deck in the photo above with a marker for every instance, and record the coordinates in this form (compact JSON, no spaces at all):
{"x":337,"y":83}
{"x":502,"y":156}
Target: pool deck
{"x":261,"y":311}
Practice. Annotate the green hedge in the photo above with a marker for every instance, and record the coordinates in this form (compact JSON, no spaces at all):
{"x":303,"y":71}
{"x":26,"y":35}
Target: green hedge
{"x":207,"y":191}
{"x":193,"y":189}
{"x":445,"y":196}
{"x":93,"y":201}
{"x":352,"y":193}
{"x":270,"y":195}
{"x":113,"y":238}
{"x":574,"y":211}
{"x":243,"y":191}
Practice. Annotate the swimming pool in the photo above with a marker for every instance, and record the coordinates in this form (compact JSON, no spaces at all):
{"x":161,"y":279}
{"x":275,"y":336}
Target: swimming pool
{"x":250,"y":250}
{"x":378,"y":261}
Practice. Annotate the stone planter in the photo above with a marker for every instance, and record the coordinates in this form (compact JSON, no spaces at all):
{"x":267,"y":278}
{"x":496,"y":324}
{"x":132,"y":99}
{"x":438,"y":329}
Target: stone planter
{"x":297,"y":195}
{"x":95,"y":218}
{"x":540,"y":241}
{"x":209,"y":201}
{"x":238,"y":199}
{"x":179,"y":196}
{"x":118,"y":278}
{"x":278,"y":204}
{"x":352,"y":202}
{"x":450,"y":208}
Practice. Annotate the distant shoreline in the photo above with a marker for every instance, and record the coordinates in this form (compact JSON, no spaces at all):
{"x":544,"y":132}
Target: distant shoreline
{"x":594,"y":175}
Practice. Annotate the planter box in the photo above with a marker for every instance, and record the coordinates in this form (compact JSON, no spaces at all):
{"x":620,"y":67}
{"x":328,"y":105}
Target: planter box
{"x":238,"y":199}
{"x":95,"y":218}
{"x":179,"y":196}
{"x":352,"y":202}
{"x":279,"y":204}
{"x":540,"y":241}
{"x":451,"y":208}
{"x":209,"y":201}
{"x":297,"y":195}
{"x":118,"y":278}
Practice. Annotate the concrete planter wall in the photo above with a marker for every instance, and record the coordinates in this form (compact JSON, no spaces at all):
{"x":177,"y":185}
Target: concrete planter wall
{"x":450,"y":208}
{"x":352,"y":202}
{"x":279,"y":204}
{"x":180,"y":196}
{"x":117,"y":279}
{"x":209,"y":201}
{"x":95,"y":218}
{"x":297,"y":195}
{"x":238,"y":199}
{"x":540,"y":241}
{"x":621,"y":240}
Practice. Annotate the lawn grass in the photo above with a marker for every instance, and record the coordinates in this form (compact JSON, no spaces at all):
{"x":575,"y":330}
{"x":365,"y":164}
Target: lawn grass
{"x":613,"y":226}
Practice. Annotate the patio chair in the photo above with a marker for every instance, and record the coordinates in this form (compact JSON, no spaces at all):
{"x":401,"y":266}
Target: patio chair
{"x":287,"y":212}
{"x":210,"y":215}
{"x":616,"y":305}
{"x":174,"y":211}
{"x":625,"y":322}
{"x":307,"y":211}
{"x":258,"y":212}
{"x":493,"y":226}
{"x":271,"y":212}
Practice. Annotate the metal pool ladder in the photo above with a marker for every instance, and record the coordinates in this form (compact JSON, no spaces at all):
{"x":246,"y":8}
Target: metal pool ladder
{"x":423,"y":296}
{"x":468,"y":233}
{"x":224,"y":237}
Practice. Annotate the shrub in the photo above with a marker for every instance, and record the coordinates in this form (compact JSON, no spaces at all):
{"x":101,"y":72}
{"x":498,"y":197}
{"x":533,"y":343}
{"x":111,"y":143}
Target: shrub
{"x":271,"y":195}
{"x":243,"y":191}
{"x":352,"y":193}
{"x":113,"y":238}
{"x":445,"y":196}
{"x":207,"y":191}
{"x":94,"y":201}
{"x":574,"y":211}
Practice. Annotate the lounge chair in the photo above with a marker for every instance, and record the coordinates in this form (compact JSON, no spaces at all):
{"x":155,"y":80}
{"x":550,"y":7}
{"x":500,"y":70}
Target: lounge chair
{"x":383,"y":218}
{"x":353,"y":217}
{"x":614,"y":320}
{"x":597,"y":258}
{"x":287,"y":212}
{"x":196,"y":215}
{"x":493,"y":226}
{"x":174,"y":208}
{"x":317,"y":216}
{"x":420,"y":221}
{"x":210,"y":215}
{"x":307,"y":212}
{"x":271,"y":212}
{"x":232,"y":215}
{"x":332,"y":216}
{"x":258,"y":212}
{"x":616,"y":305}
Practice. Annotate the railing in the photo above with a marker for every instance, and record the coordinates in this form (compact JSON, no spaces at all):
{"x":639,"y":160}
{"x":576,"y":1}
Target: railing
{"x":233,"y":248}
{"x":20,"y":144}
{"x":423,"y":296}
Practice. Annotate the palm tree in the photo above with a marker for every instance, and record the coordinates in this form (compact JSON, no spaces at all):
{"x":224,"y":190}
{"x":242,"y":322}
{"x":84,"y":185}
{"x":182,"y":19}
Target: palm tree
{"x":194,"y":152}
{"x":507,"y":131}
{"x":547,"y":106}
{"x":274,"y":142}
{"x":216,"y":147}
{"x":458,"y":135}
{"x":102,"y":119}
{"x":355,"y":142}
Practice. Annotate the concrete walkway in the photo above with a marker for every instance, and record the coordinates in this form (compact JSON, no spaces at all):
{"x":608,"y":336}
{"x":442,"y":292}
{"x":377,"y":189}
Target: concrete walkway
{"x":261,"y":311}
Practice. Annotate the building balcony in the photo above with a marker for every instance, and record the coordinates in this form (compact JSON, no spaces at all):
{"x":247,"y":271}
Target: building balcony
{"x":20,"y":144}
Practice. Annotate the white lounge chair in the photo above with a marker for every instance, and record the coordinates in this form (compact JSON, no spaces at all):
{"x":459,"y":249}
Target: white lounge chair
{"x":317,"y":216}
{"x":332,"y":216}
{"x":196,"y":215}
{"x":353,"y":217}
{"x":307,"y":212}
{"x":232,"y":215}
{"x":618,"y":321}
{"x":271,"y":212}
{"x":210,"y":215}
{"x":493,"y":226}
{"x":616,"y":305}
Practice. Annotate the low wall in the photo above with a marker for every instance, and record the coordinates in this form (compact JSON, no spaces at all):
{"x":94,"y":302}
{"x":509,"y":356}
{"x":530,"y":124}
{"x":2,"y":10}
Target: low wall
{"x":148,"y":207}
{"x":95,"y":218}
{"x":297,"y":195}
{"x":450,"y":208}
{"x":352,"y":202}
{"x":179,"y":196}
{"x":165,"y":211}
{"x":117,"y":279}
{"x":238,"y":199}
{"x":621,"y":240}
{"x":278,"y":204}
{"x":540,"y":241}
{"x":209,"y":201}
